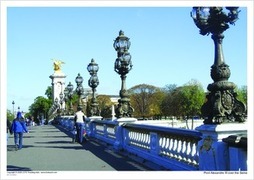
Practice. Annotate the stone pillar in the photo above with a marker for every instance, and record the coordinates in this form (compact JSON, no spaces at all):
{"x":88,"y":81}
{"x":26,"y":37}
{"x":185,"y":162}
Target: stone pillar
{"x":58,"y":86}
{"x":89,"y":125}
{"x":238,"y":152}
{"x":118,"y":145}
{"x":213,"y":152}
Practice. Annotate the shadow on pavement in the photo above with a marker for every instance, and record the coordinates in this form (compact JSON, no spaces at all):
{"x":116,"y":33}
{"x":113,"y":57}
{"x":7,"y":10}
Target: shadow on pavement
{"x":12,"y":147}
{"x":108,"y":155}
{"x":114,"y":159}
{"x":16,"y":168}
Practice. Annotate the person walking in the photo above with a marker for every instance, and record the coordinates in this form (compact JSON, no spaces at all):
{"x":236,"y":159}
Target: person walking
{"x":79,"y":120}
{"x":8,"y":129}
{"x":18,"y":128}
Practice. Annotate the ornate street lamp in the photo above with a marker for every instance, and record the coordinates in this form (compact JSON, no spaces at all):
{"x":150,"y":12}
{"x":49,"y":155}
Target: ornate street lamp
{"x":66,"y":91}
{"x":13,"y":103}
{"x":221,"y":105}
{"x":123,"y":65}
{"x":61,"y":100}
{"x":56,"y":105}
{"x":93,"y":82}
{"x":70,"y":93}
{"x":92,"y":68}
{"x":79,"y":89}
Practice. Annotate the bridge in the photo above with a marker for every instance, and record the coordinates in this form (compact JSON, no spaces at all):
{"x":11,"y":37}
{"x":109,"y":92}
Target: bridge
{"x":129,"y":145}
{"x":50,"y":148}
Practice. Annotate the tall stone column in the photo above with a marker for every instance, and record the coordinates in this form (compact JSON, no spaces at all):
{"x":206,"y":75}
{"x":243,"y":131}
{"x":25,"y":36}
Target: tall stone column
{"x":58,"y":82}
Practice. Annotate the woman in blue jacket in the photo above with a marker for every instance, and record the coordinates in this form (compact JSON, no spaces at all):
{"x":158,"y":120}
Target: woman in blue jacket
{"x":18,"y":128}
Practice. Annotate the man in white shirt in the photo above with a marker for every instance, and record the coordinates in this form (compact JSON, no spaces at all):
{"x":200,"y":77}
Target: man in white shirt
{"x":79,"y":120}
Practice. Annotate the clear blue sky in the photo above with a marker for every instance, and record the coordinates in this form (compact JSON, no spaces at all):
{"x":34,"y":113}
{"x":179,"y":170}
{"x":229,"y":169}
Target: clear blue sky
{"x":166,"y":48}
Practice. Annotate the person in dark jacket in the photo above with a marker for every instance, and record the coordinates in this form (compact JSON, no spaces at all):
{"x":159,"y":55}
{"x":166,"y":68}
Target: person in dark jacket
{"x":18,"y":128}
{"x":8,"y":128}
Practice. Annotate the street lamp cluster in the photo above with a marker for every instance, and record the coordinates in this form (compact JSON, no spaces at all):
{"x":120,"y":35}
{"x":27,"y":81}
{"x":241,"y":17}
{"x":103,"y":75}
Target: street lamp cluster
{"x":13,"y":111}
{"x":123,"y":65}
{"x":93,"y":82}
{"x":13,"y":103}
{"x":221,"y":105}
{"x":67,"y":95}
{"x":79,"y":90}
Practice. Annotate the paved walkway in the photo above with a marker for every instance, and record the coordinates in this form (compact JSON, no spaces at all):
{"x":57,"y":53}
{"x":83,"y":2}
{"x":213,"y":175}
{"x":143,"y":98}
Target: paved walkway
{"x":48,"y":148}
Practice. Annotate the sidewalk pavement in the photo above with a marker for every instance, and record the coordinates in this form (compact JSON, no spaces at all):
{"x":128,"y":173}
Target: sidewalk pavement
{"x":49,"y":148}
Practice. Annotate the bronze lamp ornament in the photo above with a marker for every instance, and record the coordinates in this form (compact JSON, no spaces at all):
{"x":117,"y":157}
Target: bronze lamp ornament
{"x":123,"y":65}
{"x":221,"y":105}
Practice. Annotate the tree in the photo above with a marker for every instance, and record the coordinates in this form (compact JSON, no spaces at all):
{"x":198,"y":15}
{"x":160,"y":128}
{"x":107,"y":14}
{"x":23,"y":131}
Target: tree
{"x":155,"y":105}
{"x":10,"y":115}
{"x":242,"y":94}
{"x":74,"y":101}
{"x":192,"y":98}
{"x":144,"y":101}
{"x":183,"y":101}
{"x":105,"y":105}
{"x":49,"y":92}
{"x":169,"y":88}
{"x":40,"y":107}
{"x":169,"y":105}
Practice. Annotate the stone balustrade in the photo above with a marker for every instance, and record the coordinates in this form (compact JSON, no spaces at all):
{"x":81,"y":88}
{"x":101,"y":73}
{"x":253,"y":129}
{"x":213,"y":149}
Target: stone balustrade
{"x":206,"y":148}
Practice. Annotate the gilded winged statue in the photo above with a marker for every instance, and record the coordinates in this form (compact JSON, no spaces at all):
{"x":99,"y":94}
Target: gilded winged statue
{"x":57,"y":65}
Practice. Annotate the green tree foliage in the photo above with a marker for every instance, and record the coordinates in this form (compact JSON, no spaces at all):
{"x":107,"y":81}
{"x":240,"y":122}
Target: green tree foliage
{"x":28,"y":115}
{"x":169,"y":88}
{"x":74,"y":101}
{"x":10,"y":116}
{"x":105,"y":105}
{"x":145,"y":99}
{"x":155,"y":106}
{"x":242,"y":94}
{"x":49,"y":92}
{"x":170,"y":105}
{"x":183,"y":101}
{"x":40,"y":107}
{"x":193,"y":98}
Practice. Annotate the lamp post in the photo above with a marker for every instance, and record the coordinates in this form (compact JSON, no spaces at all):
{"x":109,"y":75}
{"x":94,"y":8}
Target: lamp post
{"x":122,"y":66}
{"x":79,"y":89}
{"x":61,"y":101}
{"x":66,"y":91}
{"x":13,"y":103}
{"x":221,"y":105}
{"x":70,"y":93}
{"x":56,"y":105}
{"x":93,"y":82}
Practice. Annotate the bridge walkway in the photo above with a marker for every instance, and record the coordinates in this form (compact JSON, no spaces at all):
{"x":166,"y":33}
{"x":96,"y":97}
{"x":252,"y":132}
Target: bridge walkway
{"x":50,"y":148}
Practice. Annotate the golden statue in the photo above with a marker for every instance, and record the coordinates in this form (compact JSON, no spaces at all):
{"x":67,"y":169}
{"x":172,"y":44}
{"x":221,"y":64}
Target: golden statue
{"x":57,"y":65}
